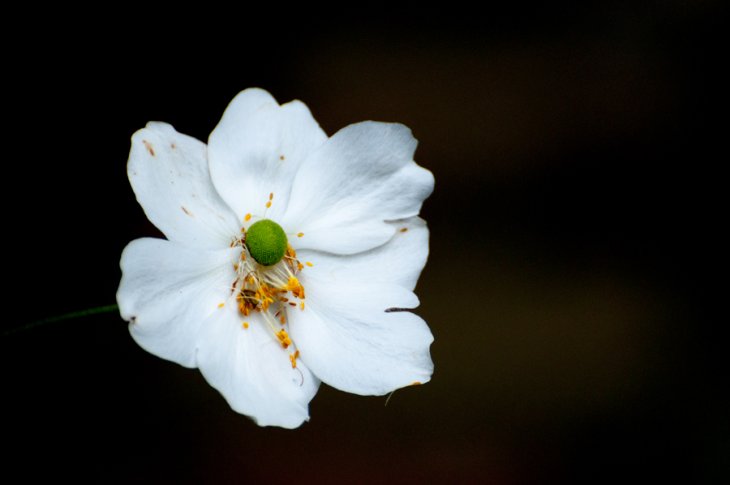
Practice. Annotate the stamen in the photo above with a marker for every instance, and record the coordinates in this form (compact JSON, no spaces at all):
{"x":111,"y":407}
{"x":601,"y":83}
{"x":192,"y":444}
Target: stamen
{"x":295,"y":287}
{"x":293,"y":359}
{"x":268,"y":289}
{"x":248,"y":217}
{"x":283,"y":338}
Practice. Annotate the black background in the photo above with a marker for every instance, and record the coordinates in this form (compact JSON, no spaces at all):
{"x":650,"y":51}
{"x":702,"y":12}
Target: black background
{"x":576,"y":272}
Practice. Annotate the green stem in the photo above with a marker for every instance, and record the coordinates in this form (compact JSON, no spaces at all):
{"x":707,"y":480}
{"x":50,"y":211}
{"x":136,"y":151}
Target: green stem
{"x":59,"y":318}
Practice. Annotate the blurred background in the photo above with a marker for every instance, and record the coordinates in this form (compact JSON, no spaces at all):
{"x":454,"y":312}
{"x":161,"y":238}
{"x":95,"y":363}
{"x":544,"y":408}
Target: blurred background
{"x":574,"y":281}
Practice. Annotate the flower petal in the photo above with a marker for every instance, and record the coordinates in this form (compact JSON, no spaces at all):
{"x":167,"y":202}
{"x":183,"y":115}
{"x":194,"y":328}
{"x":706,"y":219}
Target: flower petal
{"x":399,"y":261}
{"x":344,"y":193}
{"x":168,"y":290}
{"x":169,"y":174}
{"x":253,"y":372}
{"x":257,"y":148}
{"x":350,"y":342}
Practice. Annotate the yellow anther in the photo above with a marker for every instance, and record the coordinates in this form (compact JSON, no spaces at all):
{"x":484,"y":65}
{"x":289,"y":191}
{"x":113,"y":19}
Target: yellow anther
{"x":271,"y":196}
{"x":221,"y":305}
{"x":282,"y":319}
{"x":293,"y":359}
{"x":283,"y":338}
{"x":248,"y":217}
{"x":300,"y":234}
{"x":268,"y":204}
{"x":245,"y":324}
{"x":301,"y":305}
{"x":295,"y":287}
{"x":292,"y":283}
{"x":309,"y":264}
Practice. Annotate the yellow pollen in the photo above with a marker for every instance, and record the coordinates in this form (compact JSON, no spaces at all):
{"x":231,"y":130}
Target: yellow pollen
{"x":309,"y":264}
{"x":245,"y":324}
{"x":268,"y":204}
{"x":248,"y":217}
{"x":283,"y":338}
{"x":301,"y":305}
{"x":295,"y":287}
{"x":293,"y":359}
{"x":300,"y":266}
{"x":300,"y":234}
{"x":221,"y":305}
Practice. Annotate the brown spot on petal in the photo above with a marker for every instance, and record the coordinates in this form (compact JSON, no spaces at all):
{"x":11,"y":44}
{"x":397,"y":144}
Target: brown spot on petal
{"x":281,"y":157}
{"x":149,"y":147}
{"x":403,"y":229}
{"x":395,"y":309}
{"x":186,"y":211}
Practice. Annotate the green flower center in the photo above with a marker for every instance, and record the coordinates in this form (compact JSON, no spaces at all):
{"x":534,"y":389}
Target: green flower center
{"x":266,"y":242}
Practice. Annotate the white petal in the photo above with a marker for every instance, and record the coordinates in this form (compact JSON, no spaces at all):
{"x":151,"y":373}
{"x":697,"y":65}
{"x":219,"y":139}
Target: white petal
{"x":350,"y":342}
{"x":168,"y":290}
{"x":257,"y":148}
{"x":344,"y":193}
{"x":169,"y":174}
{"x":253,"y":372}
{"x":399,"y":261}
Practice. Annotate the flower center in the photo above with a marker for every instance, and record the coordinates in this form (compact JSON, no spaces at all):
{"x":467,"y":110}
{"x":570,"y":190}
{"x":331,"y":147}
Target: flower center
{"x":266,"y":279}
{"x":266,"y":241}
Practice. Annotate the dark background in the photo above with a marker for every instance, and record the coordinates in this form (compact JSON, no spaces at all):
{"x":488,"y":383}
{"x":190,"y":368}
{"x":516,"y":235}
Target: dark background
{"x":575,"y":277}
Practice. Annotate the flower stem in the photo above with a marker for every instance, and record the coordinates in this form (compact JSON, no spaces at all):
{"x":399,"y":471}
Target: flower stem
{"x":59,"y":318}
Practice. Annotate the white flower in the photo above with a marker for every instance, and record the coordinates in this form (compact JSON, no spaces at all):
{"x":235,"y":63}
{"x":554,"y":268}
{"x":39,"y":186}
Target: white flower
{"x":341,"y":244}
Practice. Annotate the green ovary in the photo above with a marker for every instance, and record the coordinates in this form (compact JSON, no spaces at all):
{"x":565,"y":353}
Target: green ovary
{"x":266,"y":242}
